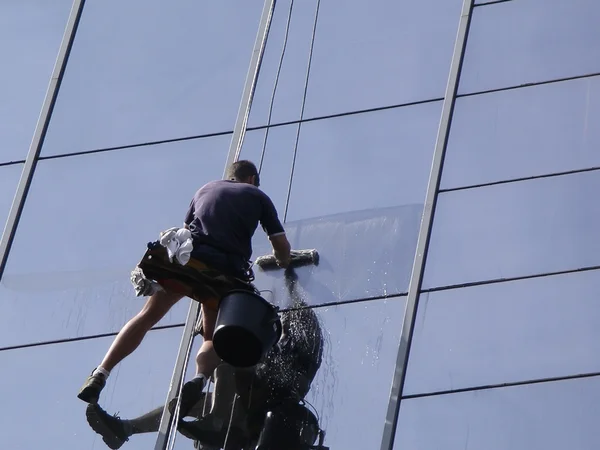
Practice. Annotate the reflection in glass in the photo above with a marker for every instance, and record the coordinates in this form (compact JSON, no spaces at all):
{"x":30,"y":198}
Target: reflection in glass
{"x":528,"y":41}
{"x":85,"y":226}
{"x":505,"y":332}
{"x":364,"y":161}
{"x":515,"y":229}
{"x":135,"y":386}
{"x":30,"y":36}
{"x":289,"y":87}
{"x":362,"y":254}
{"x":523,"y":132}
{"x":379,"y":53}
{"x":352,"y":388}
{"x":552,"y":416}
{"x":9,"y":180}
{"x":153,"y":71}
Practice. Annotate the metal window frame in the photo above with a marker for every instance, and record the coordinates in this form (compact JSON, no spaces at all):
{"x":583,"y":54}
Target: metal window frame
{"x":39,"y":135}
{"x":237,"y":139}
{"x":418,"y":270}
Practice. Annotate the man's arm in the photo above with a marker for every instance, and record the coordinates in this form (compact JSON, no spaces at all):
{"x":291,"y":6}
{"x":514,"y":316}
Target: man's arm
{"x":281,"y":249}
{"x":274,"y":229}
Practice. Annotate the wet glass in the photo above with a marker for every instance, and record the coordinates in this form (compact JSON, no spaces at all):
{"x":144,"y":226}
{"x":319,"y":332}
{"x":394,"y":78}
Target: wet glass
{"x":85,"y":226}
{"x":361,"y":342}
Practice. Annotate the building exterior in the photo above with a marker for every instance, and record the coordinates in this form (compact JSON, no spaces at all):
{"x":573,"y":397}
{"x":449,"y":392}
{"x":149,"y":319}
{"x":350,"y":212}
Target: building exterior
{"x":441,"y":155}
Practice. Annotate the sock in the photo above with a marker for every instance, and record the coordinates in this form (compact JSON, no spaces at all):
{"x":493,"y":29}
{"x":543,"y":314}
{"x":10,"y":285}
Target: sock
{"x":101,"y":371}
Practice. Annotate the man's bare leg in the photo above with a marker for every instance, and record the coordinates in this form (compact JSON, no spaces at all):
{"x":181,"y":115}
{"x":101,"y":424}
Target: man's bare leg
{"x":127,"y":341}
{"x":206,"y":361}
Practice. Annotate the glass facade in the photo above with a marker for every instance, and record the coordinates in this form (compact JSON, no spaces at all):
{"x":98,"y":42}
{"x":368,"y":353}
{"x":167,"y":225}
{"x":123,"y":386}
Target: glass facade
{"x":458,"y":305}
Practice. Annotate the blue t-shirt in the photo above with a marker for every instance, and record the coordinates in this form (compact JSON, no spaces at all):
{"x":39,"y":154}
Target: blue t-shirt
{"x":225,"y":214}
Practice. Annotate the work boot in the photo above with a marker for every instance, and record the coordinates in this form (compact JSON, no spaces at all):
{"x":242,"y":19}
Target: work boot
{"x":191,"y":393}
{"x":90,"y":391}
{"x":113,"y":430}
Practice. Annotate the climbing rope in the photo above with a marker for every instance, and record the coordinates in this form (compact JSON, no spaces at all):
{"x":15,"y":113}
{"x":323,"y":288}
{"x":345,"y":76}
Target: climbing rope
{"x":275,"y":85}
{"x":310,"y":55}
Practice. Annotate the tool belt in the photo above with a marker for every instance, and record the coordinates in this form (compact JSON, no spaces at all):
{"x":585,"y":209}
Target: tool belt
{"x":195,"y":279}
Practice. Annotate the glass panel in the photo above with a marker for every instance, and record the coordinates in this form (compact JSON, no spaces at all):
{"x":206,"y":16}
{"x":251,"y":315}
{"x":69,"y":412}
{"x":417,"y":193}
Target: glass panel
{"x":364,"y":161}
{"x":505,"y":332}
{"x":9,"y":180}
{"x":143,"y":71}
{"x":137,"y":385}
{"x":515,"y":229}
{"x":289,"y":93}
{"x":524,"y":132}
{"x":356,"y":372}
{"x":363,"y":254}
{"x":30,"y":35}
{"x":380,"y":53}
{"x":85,"y":226}
{"x":546,"y":41}
{"x":552,"y":416}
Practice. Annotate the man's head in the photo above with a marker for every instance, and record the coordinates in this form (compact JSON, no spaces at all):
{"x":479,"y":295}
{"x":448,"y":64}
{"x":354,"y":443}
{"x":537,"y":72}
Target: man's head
{"x":244,"y":171}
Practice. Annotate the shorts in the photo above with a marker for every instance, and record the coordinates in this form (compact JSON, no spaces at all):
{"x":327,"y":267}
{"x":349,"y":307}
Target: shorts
{"x":199,"y":280}
{"x":232,"y":265}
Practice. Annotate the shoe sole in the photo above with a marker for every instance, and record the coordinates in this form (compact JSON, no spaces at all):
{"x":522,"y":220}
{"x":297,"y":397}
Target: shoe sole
{"x":99,"y":426}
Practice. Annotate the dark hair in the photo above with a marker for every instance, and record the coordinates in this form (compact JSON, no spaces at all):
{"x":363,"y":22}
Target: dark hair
{"x":241,"y":170}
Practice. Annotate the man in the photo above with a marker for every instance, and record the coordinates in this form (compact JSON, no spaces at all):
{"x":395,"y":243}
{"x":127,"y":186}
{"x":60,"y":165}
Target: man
{"x":222,"y":218}
{"x":284,"y":377}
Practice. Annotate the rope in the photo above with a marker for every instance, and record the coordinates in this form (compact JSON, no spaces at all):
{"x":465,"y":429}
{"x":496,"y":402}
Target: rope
{"x":310,"y":55}
{"x":272,"y":101}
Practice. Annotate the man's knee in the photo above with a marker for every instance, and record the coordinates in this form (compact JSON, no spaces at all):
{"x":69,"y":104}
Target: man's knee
{"x":158,"y":305}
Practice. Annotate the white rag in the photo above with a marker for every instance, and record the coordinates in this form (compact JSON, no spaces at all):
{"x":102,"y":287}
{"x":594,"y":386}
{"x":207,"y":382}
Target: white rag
{"x":179,"y":244}
{"x":142,"y":285}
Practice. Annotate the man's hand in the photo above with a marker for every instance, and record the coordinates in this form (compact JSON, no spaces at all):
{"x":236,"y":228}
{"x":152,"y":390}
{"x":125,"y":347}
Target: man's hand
{"x":281,"y":250}
{"x":281,"y":262}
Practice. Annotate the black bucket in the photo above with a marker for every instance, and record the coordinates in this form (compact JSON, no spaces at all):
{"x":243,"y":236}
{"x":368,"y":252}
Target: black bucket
{"x":247,"y":328}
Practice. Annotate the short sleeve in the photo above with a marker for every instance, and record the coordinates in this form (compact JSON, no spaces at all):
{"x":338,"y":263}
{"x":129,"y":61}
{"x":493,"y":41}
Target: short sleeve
{"x":189,"y":217}
{"x":269,"y":220}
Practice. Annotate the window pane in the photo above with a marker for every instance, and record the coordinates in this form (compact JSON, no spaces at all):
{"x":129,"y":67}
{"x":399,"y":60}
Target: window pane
{"x":515,"y":229}
{"x":505,"y":332}
{"x":552,"y":416}
{"x":547,"y":40}
{"x":364,"y":161}
{"x":144,"y":70}
{"x":287,"y":103}
{"x":363,"y":254}
{"x":524,"y":132}
{"x":85,"y":226}
{"x":137,"y":385}
{"x":30,"y":35}
{"x":9,"y":180}
{"x":357,"y":369}
{"x":401,"y":54}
